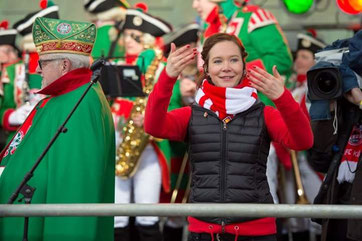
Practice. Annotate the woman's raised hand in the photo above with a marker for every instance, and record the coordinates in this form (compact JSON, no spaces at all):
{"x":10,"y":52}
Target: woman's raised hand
{"x":178,"y":59}
{"x":270,"y":85}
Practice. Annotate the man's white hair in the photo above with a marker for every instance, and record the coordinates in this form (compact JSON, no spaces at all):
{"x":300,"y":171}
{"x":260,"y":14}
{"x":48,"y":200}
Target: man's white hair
{"x":77,"y":61}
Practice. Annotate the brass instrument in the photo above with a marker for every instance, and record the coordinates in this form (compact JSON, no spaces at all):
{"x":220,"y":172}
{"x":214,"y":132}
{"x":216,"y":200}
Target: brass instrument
{"x":302,"y":199}
{"x":135,"y":139}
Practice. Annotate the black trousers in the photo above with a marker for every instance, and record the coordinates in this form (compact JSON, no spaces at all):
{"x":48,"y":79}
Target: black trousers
{"x":229,"y":237}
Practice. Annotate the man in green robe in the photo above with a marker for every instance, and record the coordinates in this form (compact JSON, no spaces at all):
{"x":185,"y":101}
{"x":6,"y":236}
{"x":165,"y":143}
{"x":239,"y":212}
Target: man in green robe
{"x":79,"y":167}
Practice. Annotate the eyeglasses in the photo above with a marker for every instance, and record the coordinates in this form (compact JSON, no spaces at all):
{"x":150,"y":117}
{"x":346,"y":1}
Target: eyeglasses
{"x":42,"y":61}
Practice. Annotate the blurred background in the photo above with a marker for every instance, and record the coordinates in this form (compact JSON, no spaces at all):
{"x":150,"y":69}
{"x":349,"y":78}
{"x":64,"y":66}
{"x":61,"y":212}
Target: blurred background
{"x":325,"y":16}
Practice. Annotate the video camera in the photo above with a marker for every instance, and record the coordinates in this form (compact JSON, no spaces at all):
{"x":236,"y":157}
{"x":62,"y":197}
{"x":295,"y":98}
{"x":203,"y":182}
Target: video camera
{"x":337,"y":69}
{"x":324,"y":78}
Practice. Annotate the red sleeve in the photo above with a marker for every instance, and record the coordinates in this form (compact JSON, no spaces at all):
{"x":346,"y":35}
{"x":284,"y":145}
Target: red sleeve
{"x":214,"y":23}
{"x":160,"y":123}
{"x":6,"y":125}
{"x":288,"y":125}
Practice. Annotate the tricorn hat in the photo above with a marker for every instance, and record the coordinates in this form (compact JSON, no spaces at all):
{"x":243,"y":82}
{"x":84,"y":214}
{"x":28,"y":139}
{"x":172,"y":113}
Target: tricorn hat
{"x":308,"y":42}
{"x":185,"y":35}
{"x":146,"y":23}
{"x":7,"y":36}
{"x":25,"y":25}
{"x":99,"y":6}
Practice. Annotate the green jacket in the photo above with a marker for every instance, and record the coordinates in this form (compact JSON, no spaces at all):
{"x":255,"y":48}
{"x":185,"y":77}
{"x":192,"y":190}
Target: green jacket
{"x":79,"y":167}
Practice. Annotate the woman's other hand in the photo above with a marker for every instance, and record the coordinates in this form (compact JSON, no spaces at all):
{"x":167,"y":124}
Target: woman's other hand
{"x":270,"y":85}
{"x":178,"y":59}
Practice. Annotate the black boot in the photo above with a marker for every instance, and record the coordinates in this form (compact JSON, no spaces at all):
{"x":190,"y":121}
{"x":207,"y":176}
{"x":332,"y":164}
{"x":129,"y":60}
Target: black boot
{"x":149,"y":233}
{"x":121,"y":234}
{"x":172,"y":234}
{"x":301,"y":236}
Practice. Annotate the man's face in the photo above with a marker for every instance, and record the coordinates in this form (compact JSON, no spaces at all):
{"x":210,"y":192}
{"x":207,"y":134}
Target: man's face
{"x":50,"y":69}
{"x":203,"y":7}
{"x":303,"y":62}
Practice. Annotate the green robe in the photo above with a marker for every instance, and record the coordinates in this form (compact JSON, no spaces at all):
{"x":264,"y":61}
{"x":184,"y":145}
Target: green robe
{"x":79,"y":167}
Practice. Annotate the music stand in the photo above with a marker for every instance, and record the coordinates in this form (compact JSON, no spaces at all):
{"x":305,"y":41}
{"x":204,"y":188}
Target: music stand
{"x":121,"y":81}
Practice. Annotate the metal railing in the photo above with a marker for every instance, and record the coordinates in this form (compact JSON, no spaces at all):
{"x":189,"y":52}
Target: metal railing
{"x":165,"y":210}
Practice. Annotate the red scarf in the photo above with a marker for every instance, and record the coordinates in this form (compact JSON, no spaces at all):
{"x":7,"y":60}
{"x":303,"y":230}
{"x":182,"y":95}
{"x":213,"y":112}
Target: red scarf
{"x":352,"y":152}
{"x":226,"y":102}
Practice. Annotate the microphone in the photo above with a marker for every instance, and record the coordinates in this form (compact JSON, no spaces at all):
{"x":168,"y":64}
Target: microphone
{"x":96,"y":67}
{"x":97,"y":64}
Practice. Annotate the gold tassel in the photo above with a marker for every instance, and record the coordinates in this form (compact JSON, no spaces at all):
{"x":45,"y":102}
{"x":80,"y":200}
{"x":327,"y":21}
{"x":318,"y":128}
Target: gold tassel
{"x":59,"y":44}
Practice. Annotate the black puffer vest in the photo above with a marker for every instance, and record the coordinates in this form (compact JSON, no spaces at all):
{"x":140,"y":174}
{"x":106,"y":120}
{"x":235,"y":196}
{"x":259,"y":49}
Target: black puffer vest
{"x":228,"y":161}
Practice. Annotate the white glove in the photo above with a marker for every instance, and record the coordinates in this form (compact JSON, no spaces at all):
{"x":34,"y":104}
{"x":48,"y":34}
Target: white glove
{"x":19,"y":115}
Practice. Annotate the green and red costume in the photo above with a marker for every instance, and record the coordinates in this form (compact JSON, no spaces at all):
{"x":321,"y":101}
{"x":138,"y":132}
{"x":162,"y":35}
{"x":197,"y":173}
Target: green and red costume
{"x":103,"y":43}
{"x":13,"y":78}
{"x":79,"y":167}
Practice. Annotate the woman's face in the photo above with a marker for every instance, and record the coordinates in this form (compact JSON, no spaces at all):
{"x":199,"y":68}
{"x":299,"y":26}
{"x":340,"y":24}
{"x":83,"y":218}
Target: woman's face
{"x":303,"y":62}
{"x":226,"y":66}
{"x":203,"y":7}
{"x":132,"y":41}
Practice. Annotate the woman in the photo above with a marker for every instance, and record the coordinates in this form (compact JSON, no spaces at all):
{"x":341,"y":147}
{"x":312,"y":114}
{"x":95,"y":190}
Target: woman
{"x":229,"y":132}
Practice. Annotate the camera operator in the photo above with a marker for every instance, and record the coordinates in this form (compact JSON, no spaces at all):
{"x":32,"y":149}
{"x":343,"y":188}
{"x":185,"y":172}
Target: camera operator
{"x":337,"y":128}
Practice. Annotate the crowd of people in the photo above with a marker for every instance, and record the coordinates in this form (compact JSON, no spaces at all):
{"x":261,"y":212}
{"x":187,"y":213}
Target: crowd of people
{"x":215,"y":115}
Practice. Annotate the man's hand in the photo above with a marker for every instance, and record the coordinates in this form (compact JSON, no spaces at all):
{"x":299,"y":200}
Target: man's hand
{"x":354,"y":96}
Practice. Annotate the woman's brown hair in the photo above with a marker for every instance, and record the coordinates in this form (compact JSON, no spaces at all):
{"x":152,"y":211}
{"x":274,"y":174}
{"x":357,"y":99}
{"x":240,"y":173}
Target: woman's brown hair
{"x":209,"y":43}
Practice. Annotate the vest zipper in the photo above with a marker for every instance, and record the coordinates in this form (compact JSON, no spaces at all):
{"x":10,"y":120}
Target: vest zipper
{"x":222,"y":226}
{"x":223,"y":176}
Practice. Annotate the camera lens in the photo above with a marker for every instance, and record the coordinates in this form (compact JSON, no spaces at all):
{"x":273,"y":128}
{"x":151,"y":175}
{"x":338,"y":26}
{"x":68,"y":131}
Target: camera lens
{"x":326,"y":82}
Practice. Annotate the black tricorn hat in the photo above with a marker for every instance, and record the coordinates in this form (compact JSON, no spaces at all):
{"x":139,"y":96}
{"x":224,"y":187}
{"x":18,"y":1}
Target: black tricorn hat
{"x":25,"y":25}
{"x":308,"y":42}
{"x":185,"y":35}
{"x":99,"y":6}
{"x":146,"y":23}
{"x":8,"y":36}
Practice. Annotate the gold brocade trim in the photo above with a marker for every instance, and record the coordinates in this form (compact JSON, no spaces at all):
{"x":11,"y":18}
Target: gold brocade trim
{"x":64,"y":46}
{"x":63,"y":51}
{"x":64,"y":41}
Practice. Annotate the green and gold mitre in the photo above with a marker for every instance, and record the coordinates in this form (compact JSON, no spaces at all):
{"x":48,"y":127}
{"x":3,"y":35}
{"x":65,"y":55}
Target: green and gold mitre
{"x":62,"y":36}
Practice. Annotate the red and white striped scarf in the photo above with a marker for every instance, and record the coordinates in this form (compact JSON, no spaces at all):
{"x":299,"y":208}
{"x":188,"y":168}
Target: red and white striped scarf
{"x":351,"y":155}
{"x":226,"y":102}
